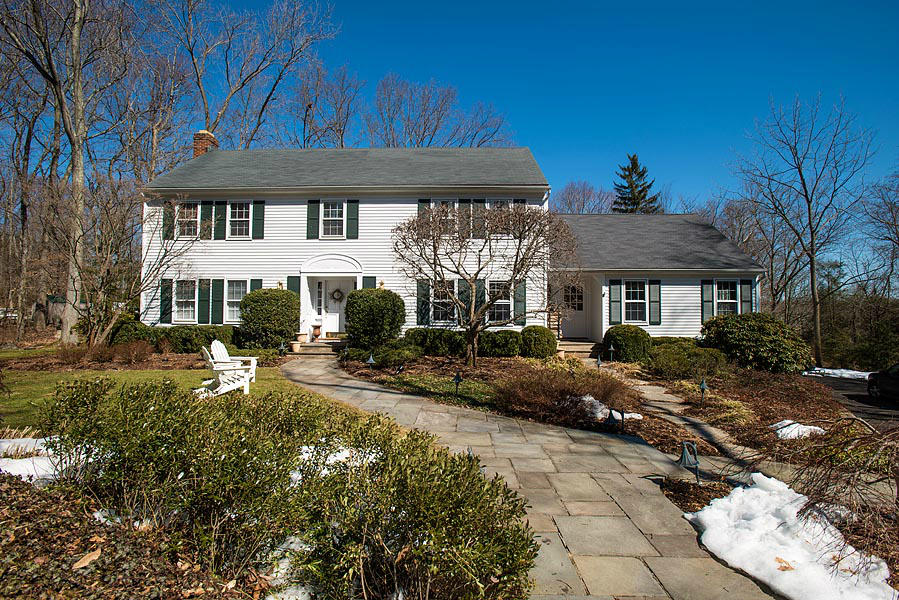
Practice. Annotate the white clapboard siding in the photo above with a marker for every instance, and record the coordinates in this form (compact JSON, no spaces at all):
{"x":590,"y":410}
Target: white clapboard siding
{"x":285,"y":248}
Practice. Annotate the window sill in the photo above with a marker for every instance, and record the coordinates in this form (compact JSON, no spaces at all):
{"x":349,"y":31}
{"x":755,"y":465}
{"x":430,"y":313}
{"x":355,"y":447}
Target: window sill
{"x":332,"y":237}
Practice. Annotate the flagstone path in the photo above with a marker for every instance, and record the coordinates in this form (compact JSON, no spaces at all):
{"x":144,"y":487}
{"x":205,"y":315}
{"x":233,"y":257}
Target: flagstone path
{"x":604,"y":530}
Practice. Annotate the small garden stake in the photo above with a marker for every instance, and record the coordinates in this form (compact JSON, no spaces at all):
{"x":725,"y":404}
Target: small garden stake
{"x":457,"y":380}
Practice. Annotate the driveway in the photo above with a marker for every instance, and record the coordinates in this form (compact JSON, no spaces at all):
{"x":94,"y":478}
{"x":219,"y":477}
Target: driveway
{"x":853,"y":394}
{"x":604,"y":530}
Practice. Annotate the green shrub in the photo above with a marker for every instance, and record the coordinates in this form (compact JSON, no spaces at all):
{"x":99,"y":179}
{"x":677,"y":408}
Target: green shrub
{"x":758,"y":341}
{"x":129,"y":329}
{"x":188,"y":339}
{"x":437,"y":342}
{"x":664,"y":340}
{"x":366,"y":501}
{"x":631,"y":343}
{"x":538,"y":342}
{"x":501,"y":344}
{"x":683,"y":360}
{"x":268,"y":318}
{"x":373,"y":317}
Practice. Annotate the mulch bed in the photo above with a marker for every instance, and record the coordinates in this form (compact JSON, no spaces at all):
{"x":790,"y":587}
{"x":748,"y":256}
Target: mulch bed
{"x":690,"y":497}
{"x":51,"y":362}
{"x":44,"y":534}
{"x":657,"y":432}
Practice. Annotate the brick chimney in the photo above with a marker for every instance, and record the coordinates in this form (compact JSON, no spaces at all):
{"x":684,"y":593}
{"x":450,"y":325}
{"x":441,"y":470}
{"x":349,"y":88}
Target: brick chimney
{"x":203,"y":142}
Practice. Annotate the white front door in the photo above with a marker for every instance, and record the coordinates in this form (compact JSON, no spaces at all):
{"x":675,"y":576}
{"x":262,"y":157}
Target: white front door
{"x":329,"y":296}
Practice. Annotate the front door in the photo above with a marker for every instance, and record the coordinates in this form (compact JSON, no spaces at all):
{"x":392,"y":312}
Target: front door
{"x":329,"y":296}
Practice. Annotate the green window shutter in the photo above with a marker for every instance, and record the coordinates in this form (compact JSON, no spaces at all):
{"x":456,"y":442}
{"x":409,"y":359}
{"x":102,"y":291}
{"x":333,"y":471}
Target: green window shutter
{"x":745,"y":296}
{"x":312,"y":208}
{"x":423,"y":205}
{"x":352,"y":219}
{"x":708,"y":299}
{"x":206,"y":220}
{"x":203,"y":301}
{"x":614,"y":302}
{"x":219,"y":228}
{"x":258,"y":219}
{"x":464,"y":292}
{"x":165,"y":301}
{"x":369,"y":282}
{"x":655,"y":302}
{"x":479,"y":218}
{"x":168,"y":221}
{"x":520,"y":303}
{"x":480,"y":294}
{"x":293,"y":284}
{"x":423,"y":303}
{"x":218,"y":301}
{"x":255,"y":284}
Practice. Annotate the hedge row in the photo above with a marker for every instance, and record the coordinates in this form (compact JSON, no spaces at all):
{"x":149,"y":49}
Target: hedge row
{"x":534,"y":341}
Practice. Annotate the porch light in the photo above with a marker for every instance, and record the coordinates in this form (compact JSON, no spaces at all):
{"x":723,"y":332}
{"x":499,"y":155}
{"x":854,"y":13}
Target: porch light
{"x":689,"y":459}
{"x":457,"y":380}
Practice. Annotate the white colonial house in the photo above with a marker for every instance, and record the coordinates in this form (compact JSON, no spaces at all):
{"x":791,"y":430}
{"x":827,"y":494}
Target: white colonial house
{"x":319,"y":222}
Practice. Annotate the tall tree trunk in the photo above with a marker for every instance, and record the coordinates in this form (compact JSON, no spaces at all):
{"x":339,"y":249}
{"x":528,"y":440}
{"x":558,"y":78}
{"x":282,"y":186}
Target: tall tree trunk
{"x":816,"y":311}
{"x":73,"y":274}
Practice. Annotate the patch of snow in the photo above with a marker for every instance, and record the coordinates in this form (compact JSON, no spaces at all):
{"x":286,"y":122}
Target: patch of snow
{"x":281,"y":571}
{"x":791,"y":430}
{"x":338,"y":456}
{"x":35,"y":468}
{"x":601,"y":412}
{"x":842,"y":373}
{"x":758,"y":530}
{"x":13,"y":445}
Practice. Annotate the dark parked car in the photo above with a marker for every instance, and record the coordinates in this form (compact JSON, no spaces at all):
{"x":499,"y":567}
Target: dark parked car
{"x":884,"y":384}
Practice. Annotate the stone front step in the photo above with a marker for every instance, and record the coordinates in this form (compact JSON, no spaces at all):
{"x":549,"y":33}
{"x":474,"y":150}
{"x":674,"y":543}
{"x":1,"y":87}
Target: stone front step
{"x":577,"y":348}
{"x":325,"y":348}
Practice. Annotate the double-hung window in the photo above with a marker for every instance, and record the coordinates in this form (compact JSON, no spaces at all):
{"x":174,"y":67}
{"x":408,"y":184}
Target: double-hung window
{"x":573,"y":297}
{"x":239,"y":220}
{"x":501,"y":310}
{"x":332,"y":219}
{"x":186,"y":301}
{"x":237,"y":289}
{"x":448,"y":211}
{"x":188,"y":219}
{"x":635,"y":301}
{"x":726,"y":298}
{"x":443,"y":303}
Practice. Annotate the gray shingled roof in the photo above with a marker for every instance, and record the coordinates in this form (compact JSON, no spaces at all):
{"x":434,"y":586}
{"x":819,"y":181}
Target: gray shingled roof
{"x":355,"y":167}
{"x":649,"y":242}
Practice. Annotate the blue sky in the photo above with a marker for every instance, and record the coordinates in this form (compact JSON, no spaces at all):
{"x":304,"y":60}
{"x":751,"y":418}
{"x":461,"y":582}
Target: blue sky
{"x":582,"y":84}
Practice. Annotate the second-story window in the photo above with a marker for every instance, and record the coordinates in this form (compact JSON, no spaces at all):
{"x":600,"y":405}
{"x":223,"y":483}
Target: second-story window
{"x":188,"y":219}
{"x":239,"y":220}
{"x":332,"y":218}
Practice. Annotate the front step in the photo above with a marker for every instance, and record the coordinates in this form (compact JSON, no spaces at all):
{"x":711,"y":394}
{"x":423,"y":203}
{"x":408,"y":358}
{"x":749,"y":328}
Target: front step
{"x":324,"y":348}
{"x":578,"y":348}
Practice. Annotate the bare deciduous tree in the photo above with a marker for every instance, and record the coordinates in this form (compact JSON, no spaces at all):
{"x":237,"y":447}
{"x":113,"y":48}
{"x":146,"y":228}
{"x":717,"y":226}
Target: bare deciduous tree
{"x":469,"y":260}
{"x":807,"y":173}
{"x":413,"y":115}
{"x":581,"y":197}
{"x":326,"y":109}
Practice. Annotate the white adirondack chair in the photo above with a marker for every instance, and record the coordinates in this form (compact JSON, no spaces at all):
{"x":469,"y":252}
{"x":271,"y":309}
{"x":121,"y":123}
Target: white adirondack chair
{"x":220,"y":355}
{"x":228,"y":376}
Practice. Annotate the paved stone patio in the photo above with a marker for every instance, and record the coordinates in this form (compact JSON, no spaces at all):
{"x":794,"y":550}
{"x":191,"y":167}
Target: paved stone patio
{"x":604,"y":530}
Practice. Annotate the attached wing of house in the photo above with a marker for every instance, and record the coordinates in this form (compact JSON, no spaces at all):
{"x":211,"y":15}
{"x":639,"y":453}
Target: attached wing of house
{"x":319,"y":222}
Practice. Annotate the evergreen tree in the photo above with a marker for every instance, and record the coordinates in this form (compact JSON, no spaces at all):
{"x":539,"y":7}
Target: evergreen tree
{"x":633,"y":190}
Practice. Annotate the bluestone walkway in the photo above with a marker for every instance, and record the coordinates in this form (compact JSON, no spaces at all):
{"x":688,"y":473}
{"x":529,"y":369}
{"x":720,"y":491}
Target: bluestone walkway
{"x":604,"y":530}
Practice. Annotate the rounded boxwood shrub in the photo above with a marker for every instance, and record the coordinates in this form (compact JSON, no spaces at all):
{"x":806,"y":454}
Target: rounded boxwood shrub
{"x":499,"y":343}
{"x":684,"y":360}
{"x":437,"y":342}
{"x":538,"y":341}
{"x":128,"y":329}
{"x":631,"y":343}
{"x":665,"y":340}
{"x":188,"y":339}
{"x":758,"y":341}
{"x":269,"y":317}
{"x":373,"y":317}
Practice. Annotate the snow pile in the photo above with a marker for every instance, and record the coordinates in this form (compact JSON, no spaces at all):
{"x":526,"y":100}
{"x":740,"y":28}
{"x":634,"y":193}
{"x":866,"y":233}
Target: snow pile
{"x":33,"y":468}
{"x":757,"y":529}
{"x":601,"y":412}
{"x":791,"y":430}
{"x":842,"y":373}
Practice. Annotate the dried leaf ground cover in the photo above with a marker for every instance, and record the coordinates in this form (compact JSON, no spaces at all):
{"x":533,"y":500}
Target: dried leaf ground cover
{"x":52,"y":547}
{"x":432,"y":377}
{"x":690,"y":496}
{"x":53,"y":362}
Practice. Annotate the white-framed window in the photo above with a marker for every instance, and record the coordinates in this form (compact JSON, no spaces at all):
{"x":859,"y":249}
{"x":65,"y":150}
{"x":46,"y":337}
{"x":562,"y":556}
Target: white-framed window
{"x":333,"y":218}
{"x":573,"y":297}
{"x":237,"y":289}
{"x":239,"y":220}
{"x":448,"y":204}
{"x":185,"y":301}
{"x":188,"y":219}
{"x":319,"y":297}
{"x":635,"y":308}
{"x":727,"y":297}
{"x":499,"y":204}
{"x":501,"y":310}
{"x":442,"y":303}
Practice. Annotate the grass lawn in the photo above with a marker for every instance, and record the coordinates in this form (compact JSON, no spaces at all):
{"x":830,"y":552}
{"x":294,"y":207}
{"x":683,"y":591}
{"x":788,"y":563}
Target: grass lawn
{"x":17,"y":353}
{"x":474,"y":394}
{"x":28,"y":389}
